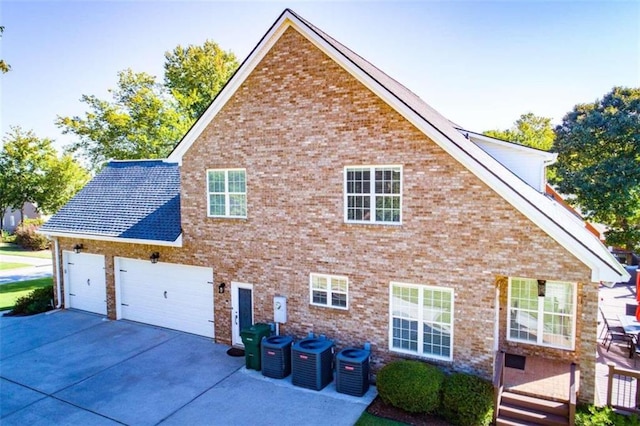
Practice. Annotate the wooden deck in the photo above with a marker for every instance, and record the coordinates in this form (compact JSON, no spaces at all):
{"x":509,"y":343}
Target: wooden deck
{"x":545,"y":377}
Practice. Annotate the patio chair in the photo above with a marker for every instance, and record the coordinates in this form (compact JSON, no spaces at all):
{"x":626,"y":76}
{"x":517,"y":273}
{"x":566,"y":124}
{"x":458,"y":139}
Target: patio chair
{"x":605,"y":320}
{"x":615,"y":333}
{"x":631,"y":309}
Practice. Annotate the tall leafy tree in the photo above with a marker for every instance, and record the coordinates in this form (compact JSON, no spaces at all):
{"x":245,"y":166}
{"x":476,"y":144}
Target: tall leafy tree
{"x":144,"y":118}
{"x":529,"y":130}
{"x":598,"y":147}
{"x":196,"y":74}
{"x":4,"y":67}
{"x":141,"y":121}
{"x":31,"y":171}
{"x":24,"y":160}
{"x":63,"y":179}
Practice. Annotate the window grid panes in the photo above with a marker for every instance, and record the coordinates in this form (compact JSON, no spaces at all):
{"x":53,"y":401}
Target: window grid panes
{"x":373,"y":194}
{"x":329,"y":290}
{"x":227,"y":193}
{"x":432,"y":307}
{"x":547,"y":320}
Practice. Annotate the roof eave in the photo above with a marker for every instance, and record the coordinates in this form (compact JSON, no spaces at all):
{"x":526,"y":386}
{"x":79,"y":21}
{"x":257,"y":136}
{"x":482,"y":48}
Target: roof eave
{"x":78,"y":235}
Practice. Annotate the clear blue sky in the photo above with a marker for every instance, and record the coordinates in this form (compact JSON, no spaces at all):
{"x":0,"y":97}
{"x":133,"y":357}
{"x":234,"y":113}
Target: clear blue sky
{"x":479,"y":63}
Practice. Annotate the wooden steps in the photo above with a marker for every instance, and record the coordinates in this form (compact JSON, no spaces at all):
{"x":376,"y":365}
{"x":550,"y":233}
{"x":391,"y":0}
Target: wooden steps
{"x":522,"y":410}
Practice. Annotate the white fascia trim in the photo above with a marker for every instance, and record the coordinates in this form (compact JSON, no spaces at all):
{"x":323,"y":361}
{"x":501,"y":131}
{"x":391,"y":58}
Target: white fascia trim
{"x":494,"y":174}
{"x":232,"y":86}
{"x":176,"y":243}
{"x":549,"y":157}
{"x":500,"y":180}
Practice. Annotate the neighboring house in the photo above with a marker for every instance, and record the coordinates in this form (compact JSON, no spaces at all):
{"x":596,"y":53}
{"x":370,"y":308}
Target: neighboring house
{"x":11,"y":218}
{"x":316,"y":177}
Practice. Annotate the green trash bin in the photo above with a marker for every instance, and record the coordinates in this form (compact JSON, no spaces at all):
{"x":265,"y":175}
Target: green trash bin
{"x":251,"y":337}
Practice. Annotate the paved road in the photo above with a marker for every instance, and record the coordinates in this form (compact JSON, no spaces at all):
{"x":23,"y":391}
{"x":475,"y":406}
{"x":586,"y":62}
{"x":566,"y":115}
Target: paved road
{"x":39,"y":268}
{"x":73,"y":368}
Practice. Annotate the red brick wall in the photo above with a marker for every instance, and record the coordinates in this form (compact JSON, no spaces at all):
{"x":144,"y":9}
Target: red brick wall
{"x":294,"y":124}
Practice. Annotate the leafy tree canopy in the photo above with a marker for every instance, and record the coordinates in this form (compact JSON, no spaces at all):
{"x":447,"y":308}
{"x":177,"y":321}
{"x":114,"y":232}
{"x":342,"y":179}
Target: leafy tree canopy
{"x":196,"y":74}
{"x":529,"y":130}
{"x":144,"y":118}
{"x":141,"y":121}
{"x":4,"y":67}
{"x":31,"y":171}
{"x":598,"y":147}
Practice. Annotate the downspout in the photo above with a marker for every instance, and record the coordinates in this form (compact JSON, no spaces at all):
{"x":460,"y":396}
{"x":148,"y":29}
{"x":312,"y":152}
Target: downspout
{"x":57,"y":260}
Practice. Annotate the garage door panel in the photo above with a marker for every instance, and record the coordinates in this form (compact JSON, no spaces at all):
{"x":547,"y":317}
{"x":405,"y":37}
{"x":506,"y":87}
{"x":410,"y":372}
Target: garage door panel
{"x":187,"y":304}
{"x":86,"y":282}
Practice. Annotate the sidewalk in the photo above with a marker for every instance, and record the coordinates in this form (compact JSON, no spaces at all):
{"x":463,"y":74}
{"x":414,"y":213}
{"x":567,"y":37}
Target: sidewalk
{"x":39,"y":268}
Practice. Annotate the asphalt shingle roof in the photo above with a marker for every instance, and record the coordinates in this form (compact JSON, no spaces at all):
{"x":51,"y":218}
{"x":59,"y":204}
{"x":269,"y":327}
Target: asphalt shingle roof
{"x":128,"y":199}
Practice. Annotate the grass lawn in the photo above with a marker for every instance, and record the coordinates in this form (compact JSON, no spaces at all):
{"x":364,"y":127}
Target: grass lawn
{"x":8,"y":265}
{"x":10,"y":292}
{"x":370,"y":420}
{"x":11,"y":249}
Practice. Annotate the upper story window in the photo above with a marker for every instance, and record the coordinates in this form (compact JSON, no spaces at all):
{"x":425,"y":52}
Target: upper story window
{"x":373,"y":194}
{"x":329,"y":290}
{"x":227,"y":193}
{"x":542,"y":313}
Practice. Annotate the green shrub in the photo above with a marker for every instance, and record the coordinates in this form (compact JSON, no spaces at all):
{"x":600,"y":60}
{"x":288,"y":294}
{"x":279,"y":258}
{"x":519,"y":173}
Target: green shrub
{"x":7,"y":237}
{"x":39,"y":300}
{"x":467,"y":400}
{"x":412,"y":386}
{"x":27,"y":238}
{"x":590,"y":415}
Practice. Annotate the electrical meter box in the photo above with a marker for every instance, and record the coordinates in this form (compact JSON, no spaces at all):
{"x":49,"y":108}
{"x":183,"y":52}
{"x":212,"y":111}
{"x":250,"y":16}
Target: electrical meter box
{"x":280,"y":309}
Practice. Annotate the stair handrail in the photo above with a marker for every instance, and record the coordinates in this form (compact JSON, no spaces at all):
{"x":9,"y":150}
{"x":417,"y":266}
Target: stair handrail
{"x":572,"y":394}
{"x":498,"y":384}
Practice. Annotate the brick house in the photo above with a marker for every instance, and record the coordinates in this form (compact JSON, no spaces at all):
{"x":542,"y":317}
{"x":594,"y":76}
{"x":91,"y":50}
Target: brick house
{"x":316,"y":177}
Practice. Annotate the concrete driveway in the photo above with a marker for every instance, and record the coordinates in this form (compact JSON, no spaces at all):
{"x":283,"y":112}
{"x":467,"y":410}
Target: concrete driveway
{"x":74,"y":368}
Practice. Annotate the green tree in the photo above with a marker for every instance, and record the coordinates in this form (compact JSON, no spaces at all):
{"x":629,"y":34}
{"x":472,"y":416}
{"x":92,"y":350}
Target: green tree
{"x":31,"y":171}
{"x":141,"y":121}
{"x":4,"y":67}
{"x":529,"y":130}
{"x":196,"y":74}
{"x":145,"y":119}
{"x":64,"y":178}
{"x":23,"y":161}
{"x":598,"y":147}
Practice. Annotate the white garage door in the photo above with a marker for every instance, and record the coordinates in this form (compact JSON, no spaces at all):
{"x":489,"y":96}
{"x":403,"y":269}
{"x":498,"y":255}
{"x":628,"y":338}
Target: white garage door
{"x":174,"y":296}
{"x":85,"y":281}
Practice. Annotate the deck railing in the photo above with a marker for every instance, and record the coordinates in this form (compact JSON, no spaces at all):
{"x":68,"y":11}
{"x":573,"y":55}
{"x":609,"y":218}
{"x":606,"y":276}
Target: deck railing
{"x":572,"y":394}
{"x":622,"y":389}
{"x":498,"y":384}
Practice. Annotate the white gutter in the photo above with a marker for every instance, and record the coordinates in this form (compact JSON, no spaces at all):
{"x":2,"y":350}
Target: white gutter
{"x":57,"y":260}
{"x":53,"y":234}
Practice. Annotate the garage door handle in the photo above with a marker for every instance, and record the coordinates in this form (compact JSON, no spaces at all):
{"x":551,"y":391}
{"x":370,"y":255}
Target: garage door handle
{"x":124,"y":304}
{"x":88,"y":281}
{"x":71,"y":294}
{"x":165,"y":294}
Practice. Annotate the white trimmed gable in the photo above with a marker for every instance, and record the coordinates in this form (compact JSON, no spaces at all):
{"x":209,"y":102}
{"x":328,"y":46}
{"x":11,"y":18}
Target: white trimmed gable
{"x":524,"y":197}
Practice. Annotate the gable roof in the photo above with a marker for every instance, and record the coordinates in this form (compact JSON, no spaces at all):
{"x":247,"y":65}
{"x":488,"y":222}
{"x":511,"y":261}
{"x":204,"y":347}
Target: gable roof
{"x":545,"y":213}
{"x":129,"y":201}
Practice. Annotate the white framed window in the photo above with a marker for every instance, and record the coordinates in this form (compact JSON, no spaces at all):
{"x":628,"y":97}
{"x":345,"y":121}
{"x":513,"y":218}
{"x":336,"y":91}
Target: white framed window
{"x":329,"y":290}
{"x":227,"y":193}
{"x":542,"y":314}
{"x":421,"y":320}
{"x":373,"y":194}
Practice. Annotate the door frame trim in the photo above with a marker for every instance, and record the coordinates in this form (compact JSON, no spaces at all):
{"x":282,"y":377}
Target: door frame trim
{"x":236,"y":340}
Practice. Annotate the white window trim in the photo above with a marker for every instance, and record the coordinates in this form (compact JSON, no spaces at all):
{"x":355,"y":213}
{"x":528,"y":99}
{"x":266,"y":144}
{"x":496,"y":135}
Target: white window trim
{"x":227,"y":203}
{"x":419,"y":352}
{"x":371,"y":194}
{"x":540,"y":330}
{"x":329,"y":291}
